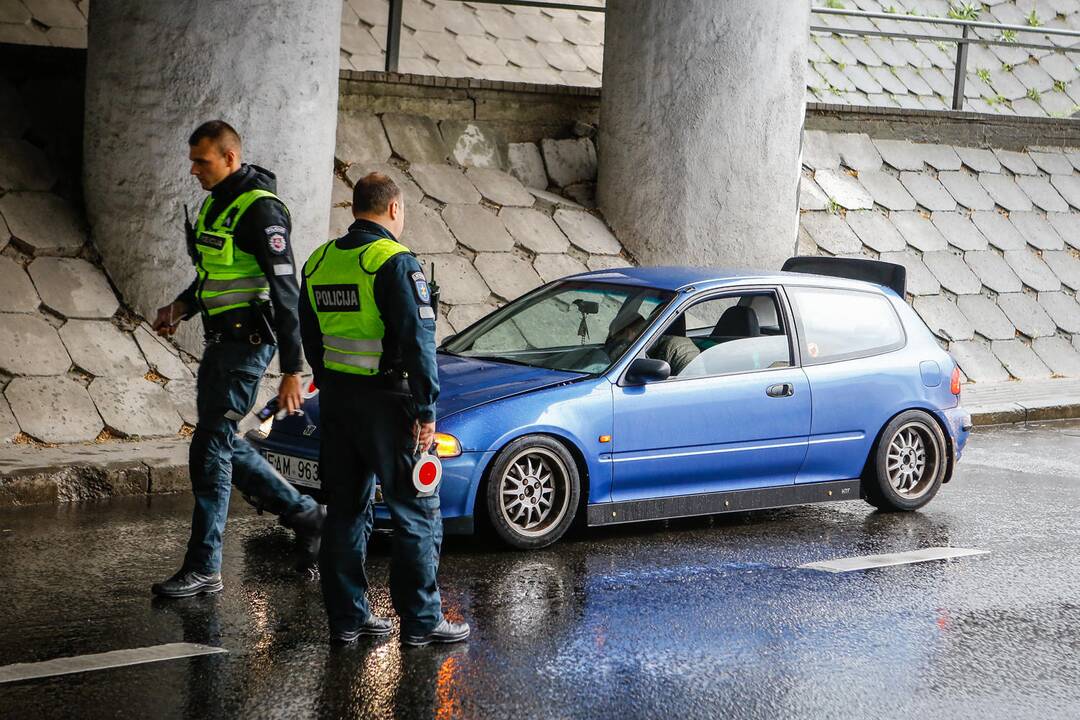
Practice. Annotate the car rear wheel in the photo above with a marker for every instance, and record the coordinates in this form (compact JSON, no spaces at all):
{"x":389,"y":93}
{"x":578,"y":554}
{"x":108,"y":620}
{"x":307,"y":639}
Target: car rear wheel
{"x":909,"y":463}
{"x":533,"y":491}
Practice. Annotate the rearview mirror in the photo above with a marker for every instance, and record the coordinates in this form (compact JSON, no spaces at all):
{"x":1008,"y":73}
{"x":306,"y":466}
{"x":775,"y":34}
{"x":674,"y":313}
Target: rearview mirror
{"x":647,"y":370}
{"x":587,"y":307}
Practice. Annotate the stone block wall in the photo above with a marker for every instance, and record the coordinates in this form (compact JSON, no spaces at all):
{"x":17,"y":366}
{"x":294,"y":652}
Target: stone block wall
{"x":489,"y":219}
{"x":990,"y":239}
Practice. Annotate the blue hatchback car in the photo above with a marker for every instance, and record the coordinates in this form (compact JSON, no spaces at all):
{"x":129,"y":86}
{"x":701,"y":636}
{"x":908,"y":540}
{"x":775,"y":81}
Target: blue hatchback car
{"x":648,"y":393}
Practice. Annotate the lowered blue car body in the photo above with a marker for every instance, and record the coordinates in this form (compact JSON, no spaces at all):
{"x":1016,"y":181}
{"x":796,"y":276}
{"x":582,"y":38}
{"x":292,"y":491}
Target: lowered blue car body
{"x":657,"y":449}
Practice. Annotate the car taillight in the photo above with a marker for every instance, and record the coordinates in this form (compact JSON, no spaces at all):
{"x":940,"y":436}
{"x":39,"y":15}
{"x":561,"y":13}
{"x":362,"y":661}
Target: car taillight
{"x":954,"y":386}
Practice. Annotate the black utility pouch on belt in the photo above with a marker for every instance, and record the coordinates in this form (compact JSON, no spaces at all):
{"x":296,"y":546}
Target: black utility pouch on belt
{"x":252,"y":324}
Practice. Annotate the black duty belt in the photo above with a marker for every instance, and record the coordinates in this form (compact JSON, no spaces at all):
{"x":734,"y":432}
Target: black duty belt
{"x":246,"y":325}
{"x":390,"y":381}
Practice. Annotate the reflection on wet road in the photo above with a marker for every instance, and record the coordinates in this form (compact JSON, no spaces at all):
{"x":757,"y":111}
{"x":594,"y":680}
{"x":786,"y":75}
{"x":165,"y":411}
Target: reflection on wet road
{"x":699,"y":618}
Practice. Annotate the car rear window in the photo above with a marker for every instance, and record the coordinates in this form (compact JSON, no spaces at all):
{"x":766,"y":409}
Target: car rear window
{"x":844,"y":324}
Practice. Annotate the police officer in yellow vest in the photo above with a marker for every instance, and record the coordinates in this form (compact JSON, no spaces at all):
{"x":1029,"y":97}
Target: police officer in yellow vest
{"x":247,"y":293}
{"x":368,"y":329}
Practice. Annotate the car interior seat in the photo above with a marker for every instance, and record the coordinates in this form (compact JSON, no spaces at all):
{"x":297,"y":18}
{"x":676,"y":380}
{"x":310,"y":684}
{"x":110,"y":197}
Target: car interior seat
{"x":737,"y":322}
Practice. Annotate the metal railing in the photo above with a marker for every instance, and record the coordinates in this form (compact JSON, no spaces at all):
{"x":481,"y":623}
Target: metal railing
{"x":393,"y":23}
{"x":962,"y":42}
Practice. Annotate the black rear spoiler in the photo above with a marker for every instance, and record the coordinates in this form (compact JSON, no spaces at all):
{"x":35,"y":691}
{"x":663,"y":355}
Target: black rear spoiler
{"x":889,"y":274}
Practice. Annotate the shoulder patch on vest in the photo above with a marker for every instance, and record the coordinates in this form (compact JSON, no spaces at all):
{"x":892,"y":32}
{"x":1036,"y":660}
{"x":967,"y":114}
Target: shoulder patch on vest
{"x":275,"y":240}
{"x":423,"y":292}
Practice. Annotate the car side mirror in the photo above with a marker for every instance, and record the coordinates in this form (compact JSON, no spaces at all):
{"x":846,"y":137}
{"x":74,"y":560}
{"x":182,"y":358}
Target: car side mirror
{"x":647,"y":370}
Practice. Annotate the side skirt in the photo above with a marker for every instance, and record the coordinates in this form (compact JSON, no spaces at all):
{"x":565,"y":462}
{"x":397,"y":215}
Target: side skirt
{"x":681,"y":506}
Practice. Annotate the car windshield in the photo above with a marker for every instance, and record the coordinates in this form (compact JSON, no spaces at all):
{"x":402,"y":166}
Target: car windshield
{"x":574,"y":325}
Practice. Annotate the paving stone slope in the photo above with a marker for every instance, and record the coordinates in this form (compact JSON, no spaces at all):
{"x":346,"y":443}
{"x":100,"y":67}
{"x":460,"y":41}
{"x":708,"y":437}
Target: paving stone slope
{"x":1000,"y":79}
{"x":443,"y":38}
{"x":491,"y":223}
{"x":75,"y":365}
{"x":991,"y":246}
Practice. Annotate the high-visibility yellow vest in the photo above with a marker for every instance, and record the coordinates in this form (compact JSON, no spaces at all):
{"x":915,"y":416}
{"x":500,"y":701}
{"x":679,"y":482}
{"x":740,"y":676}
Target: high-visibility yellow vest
{"x":341,"y":290}
{"x":228,"y":277}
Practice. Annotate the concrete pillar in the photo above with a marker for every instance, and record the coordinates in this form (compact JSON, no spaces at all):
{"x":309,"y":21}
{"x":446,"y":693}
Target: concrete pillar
{"x":155,"y":71}
{"x":700,"y":126}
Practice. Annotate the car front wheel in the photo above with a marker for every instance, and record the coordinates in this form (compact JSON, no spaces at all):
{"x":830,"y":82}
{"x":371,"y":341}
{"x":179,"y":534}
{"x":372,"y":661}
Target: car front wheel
{"x":533,"y":492}
{"x":909,"y":463}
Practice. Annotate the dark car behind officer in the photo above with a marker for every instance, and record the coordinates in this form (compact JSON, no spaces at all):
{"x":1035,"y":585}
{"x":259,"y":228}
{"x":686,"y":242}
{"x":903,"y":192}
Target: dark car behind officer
{"x":368,"y":329}
{"x":246,"y":291}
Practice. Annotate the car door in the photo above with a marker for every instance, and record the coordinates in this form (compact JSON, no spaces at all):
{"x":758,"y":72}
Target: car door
{"x":736,"y":416}
{"x":849,"y":342}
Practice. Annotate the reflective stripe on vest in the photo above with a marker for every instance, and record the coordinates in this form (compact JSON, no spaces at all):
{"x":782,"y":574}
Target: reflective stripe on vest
{"x":341,"y":290}
{"x":228,"y":277}
{"x":351,"y":345}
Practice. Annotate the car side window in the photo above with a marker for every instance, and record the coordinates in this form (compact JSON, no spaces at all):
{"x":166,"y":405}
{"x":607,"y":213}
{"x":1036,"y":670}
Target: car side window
{"x":724,"y":335}
{"x":844,"y":324}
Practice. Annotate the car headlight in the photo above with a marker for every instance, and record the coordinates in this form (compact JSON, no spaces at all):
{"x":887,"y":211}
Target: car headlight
{"x":446,"y":446}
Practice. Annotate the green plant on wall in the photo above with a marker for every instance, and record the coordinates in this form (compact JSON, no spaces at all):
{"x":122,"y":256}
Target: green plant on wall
{"x":1008,"y":36}
{"x":1059,"y":85}
{"x":891,"y":10}
{"x":1033,"y":18}
{"x":834,"y":4}
{"x":964,"y":11}
{"x":833,"y":207}
{"x":1033,"y":94}
{"x":984,"y":75}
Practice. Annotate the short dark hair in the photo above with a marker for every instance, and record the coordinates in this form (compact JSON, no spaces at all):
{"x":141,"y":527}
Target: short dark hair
{"x":217,"y":131}
{"x":373,"y":193}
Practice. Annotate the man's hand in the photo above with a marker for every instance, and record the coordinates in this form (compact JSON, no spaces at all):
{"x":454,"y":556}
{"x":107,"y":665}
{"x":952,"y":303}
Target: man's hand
{"x":426,"y":432}
{"x":288,"y":396}
{"x":169,"y":317}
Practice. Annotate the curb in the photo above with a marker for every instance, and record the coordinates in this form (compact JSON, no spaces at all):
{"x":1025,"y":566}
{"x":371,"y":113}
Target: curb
{"x":32,"y":476}
{"x":1014,"y":413}
{"x":166,"y":472}
{"x":75,"y":483}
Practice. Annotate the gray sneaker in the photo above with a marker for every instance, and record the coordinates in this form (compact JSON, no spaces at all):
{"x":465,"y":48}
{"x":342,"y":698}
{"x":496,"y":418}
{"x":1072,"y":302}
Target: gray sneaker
{"x":444,"y":632}
{"x":187,"y":583}
{"x":374,"y":625}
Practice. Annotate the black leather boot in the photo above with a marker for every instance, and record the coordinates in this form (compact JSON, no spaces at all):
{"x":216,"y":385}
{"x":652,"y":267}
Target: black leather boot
{"x":307,"y":524}
{"x":187,"y":583}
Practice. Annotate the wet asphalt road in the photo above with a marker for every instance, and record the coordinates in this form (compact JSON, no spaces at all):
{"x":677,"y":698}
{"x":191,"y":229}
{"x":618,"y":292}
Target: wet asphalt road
{"x":699,"y":618}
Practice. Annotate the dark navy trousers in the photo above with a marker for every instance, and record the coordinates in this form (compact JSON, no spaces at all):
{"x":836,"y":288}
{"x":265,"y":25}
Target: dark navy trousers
{"x":228,"y":385}
{"x":367,"y":434}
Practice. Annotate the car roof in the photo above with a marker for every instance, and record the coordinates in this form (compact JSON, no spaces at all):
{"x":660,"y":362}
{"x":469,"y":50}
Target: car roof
{"x":676,"y":278}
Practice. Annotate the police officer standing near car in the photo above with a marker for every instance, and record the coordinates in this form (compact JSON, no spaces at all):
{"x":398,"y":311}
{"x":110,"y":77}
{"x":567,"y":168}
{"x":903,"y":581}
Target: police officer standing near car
{"x":368,"y":329}
{"x":246,"y":291}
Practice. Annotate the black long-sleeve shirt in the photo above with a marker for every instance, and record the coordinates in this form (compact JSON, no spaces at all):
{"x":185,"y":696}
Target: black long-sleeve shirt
{"x":264,"y":231}
{"x":403,"y":302}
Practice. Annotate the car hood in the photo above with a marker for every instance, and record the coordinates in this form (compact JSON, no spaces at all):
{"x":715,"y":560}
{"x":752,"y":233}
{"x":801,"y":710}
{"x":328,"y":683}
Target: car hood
{"x":467,"y":382}
{"x":463,"y":383}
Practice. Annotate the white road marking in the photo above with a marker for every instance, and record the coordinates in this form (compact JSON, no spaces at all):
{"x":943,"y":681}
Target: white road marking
{"x":103,"y":661}
{"x":904,"y":558}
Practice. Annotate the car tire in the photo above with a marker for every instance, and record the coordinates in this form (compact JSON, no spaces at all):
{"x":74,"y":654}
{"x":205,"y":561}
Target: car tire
{"x":532,"y":492}
{"x":908,"y":464}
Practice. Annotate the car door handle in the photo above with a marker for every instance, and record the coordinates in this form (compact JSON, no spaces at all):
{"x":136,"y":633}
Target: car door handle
{"x":781,"y":390}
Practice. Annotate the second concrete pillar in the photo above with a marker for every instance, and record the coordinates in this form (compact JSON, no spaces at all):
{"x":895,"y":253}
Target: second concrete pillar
{"x":700,"y":125}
